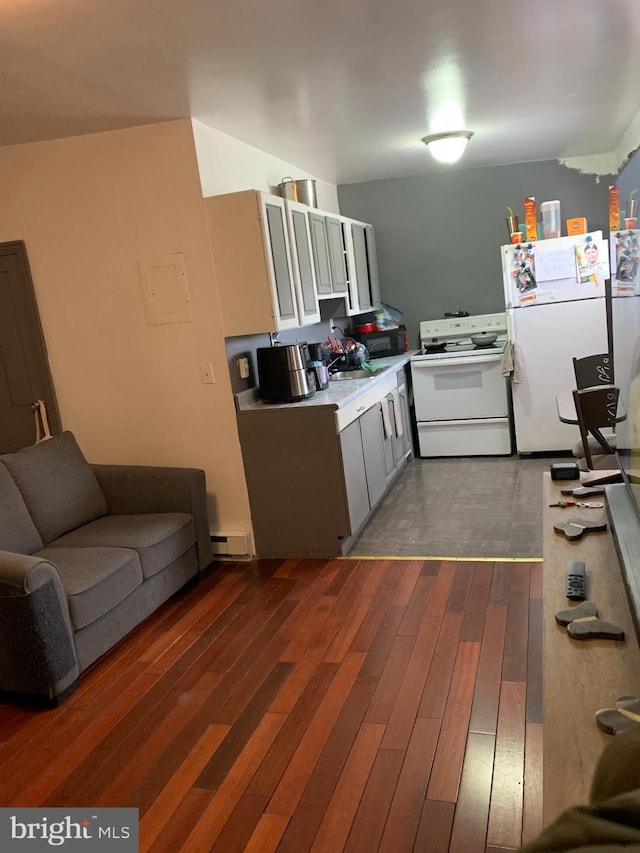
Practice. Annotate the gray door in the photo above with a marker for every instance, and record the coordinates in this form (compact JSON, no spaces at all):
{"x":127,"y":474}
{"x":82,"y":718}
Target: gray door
{"x":373,"y":446}
{"x":284,"y":285}
{"x":355,"y":479}
{"x":362,"y":266}
{"x":320,"y":254}
{"x":372,"y":259}
{"x":337,"y":262}
{"x":305,"y":264}
{"x":24,"y":367}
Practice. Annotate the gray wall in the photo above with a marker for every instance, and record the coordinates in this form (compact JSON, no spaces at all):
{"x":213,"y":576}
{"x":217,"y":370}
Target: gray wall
{"x":438,"y":236}
{"x":331,"y":312}
{"x":629,"y":179}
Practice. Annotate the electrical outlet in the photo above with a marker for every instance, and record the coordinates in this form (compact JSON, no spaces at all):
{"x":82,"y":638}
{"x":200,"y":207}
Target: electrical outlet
{"x":206,"y":373}
{"x":243,"y":367}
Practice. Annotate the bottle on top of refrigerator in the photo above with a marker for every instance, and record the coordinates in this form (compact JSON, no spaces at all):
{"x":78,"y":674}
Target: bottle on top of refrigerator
{"x":551,"y":226}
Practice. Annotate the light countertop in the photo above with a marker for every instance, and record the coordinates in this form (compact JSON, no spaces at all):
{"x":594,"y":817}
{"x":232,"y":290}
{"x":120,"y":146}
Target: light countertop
{"x":338,"y":394}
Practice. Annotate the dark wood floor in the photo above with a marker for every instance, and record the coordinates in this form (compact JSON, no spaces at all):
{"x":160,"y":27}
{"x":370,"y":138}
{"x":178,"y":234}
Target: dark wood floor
{"x":288,"y":705}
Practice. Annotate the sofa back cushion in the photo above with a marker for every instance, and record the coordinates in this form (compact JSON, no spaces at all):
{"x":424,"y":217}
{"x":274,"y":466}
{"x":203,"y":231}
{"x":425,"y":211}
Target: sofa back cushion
{"x":18,"y":533}
{"x":57,"y":484}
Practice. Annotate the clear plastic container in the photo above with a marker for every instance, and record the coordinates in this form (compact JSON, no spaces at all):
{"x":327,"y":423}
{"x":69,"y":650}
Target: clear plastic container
{"x":551,"y":222}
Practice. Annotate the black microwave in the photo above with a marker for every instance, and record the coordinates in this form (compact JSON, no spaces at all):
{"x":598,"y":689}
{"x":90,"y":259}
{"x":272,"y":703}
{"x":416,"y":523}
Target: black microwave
{"x":381,"y":344}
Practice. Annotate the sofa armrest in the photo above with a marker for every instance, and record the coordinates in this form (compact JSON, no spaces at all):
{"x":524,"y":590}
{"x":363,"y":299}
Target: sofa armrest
{"x":37,"y":652}
{"x":133,"y":489}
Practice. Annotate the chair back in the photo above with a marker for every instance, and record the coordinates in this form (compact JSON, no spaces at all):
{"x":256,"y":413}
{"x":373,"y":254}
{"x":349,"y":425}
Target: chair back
{"x":596,"y":408}
{"x":594,"y":370}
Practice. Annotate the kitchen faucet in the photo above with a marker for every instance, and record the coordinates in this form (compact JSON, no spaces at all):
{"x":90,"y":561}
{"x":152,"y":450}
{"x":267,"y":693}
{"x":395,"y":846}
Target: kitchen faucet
{"x":331,"y":363}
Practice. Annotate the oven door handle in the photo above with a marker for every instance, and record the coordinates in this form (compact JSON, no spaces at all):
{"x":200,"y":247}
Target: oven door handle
{"x":452,"y":362}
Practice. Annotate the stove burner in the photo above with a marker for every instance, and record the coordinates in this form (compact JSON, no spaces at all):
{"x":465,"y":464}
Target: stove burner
{"x":435,"y":348}
{"x":485,"y":346}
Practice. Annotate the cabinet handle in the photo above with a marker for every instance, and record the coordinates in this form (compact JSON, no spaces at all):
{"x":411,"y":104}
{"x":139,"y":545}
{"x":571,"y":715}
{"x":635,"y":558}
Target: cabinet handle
{"x":361,"y":409}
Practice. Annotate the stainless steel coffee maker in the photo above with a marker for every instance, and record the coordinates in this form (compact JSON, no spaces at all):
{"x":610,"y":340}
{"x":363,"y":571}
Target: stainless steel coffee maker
{"x":285,"y":373}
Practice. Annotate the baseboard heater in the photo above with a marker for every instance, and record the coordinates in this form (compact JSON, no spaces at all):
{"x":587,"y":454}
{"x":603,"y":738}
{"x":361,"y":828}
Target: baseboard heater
{"x":231,"y":544}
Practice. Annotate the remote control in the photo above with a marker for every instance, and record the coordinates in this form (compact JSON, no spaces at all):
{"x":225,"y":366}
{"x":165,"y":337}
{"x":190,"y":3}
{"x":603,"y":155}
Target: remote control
{"x":576,"y":581}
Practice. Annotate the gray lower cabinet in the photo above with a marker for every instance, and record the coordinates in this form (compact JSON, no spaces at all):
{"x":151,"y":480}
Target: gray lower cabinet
{"x":372,"y":434}
{"x":312,"y":488}
{"x":406,"y":419}
{"x":355,"y":474}
{"x":387,"y":443}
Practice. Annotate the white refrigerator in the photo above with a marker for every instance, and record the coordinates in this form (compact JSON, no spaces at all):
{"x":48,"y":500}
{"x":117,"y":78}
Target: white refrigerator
{"x":625,"y":321}
{"x":556,"y":310}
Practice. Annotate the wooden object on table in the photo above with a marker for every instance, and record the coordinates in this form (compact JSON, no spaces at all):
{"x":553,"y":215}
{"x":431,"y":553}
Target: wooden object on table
{"x":575,"y":528}
{"x":580,"y":678}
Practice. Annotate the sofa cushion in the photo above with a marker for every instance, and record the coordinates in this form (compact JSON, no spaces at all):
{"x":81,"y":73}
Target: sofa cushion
{"x":17,"y":531}
{"x":159,"y":538}
{"x":58,"y":486}
{"x":95,"y":579}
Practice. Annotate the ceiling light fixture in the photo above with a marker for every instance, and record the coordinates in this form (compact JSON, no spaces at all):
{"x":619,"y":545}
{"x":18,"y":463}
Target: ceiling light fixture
{"x":448,"y":147}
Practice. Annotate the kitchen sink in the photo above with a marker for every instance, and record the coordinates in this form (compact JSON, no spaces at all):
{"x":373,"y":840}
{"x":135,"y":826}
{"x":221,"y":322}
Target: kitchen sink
{"x":356,"y":374}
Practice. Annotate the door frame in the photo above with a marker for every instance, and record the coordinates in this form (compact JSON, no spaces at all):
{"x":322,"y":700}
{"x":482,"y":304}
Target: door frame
{"x":19,"y":249}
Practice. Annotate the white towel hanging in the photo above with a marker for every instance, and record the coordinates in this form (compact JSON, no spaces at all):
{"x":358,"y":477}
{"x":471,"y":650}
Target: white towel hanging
{"x":42,"y":422}
{"x":512,"y":362}
{"x":386,"y":419}
{"x":397,"y":412}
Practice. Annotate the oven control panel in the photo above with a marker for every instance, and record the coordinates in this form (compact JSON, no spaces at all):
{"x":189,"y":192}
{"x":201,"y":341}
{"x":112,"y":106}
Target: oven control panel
{"x":463,"y":326}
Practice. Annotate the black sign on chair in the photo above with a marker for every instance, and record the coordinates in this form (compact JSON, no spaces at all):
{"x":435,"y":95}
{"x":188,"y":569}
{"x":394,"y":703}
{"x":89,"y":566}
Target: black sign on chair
{"x":596,"y":408}
{"x":593,"y":371}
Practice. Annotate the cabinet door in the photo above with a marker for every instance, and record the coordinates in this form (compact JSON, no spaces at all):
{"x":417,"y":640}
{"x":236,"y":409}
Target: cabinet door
{"x":406,"y":419}
{"x":372,"y":258}
{"x":361,"y":267}
{"x":397,"y":440}
{"x":320,"y":254}
{"x":373,"y":448}
{"x":355,"y":479}
{"x":302,"y":263}
{"x":277,"y":249}
{"x":337,"y":262}
{"x":389,"y":458}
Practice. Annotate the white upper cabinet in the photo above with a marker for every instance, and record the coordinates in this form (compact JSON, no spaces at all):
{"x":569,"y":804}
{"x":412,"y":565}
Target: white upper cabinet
{"x":320,"y":247}
{"x":252,"y":259}
{"x":362,"y":266}
{"x":304,"y":277}
{"x":275,"y":258}
{"x":337,"y":255}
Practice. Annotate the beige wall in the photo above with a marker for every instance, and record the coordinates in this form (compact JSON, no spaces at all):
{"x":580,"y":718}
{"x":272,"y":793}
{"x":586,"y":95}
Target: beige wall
{"x":88,"y":208}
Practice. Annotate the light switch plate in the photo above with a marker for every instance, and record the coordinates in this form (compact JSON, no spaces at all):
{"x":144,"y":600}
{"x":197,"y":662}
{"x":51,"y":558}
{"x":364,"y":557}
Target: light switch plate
{"x":206,"y":373}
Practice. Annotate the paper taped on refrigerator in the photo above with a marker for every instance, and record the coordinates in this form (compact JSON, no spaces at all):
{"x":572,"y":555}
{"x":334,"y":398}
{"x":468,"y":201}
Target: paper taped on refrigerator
{"x":560,"y":270}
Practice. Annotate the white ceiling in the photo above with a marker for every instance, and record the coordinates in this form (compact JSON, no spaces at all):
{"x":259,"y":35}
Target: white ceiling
{"x":344,"y":89}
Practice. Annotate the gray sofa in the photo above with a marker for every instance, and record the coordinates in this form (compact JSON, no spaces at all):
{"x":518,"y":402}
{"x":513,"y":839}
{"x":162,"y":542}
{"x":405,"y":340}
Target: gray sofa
{"x":87,"y":552}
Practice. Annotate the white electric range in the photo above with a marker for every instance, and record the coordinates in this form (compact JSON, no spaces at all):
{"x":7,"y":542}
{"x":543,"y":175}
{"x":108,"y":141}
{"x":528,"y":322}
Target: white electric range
{"x":461,"y":398}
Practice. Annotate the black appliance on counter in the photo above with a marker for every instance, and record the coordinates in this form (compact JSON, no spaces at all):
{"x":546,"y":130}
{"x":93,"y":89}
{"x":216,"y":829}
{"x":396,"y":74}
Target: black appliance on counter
{"x":386,"y":343}
{"x":285,"y":373}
